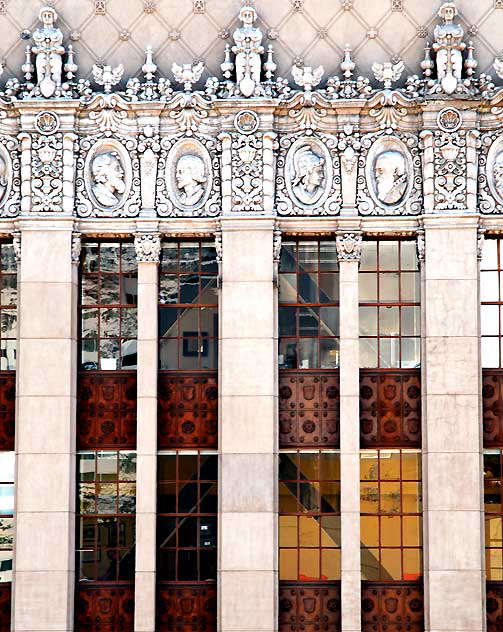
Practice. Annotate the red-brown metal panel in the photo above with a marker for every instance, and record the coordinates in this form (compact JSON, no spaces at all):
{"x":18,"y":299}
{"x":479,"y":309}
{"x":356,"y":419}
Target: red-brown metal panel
{"x":188,"y":409}
{"x":104,"y":607}
{"x":309,"y":403}
{"x":106,"y":410}
{"x":390,"y":408}
{"x":392,"y":607}
{"x":7,"y":409}
{"x":186,"y":607}
{"x":5,"y":607}
{"x":310,"y":607}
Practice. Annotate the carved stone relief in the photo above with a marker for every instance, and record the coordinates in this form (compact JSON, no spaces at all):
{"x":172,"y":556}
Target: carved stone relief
{"x":188,"y":182}
{"x":490,"y":181}
{"x":308,"y":180}
{"x":389,"y":180}
{"x":108,"y":183}
{"x":10,"y":177}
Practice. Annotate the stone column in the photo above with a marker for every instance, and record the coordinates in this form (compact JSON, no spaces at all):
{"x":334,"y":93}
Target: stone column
{"x":148,"y":247}
{"x":349,"y":247}
{"x":44,"y":553}
{"x":248,"y":545}
{"x":452,"y":438}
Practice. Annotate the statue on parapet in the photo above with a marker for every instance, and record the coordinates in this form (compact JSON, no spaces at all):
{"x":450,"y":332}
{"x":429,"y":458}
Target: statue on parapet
{"x":449,"y":46}
{"x":48,"y":51}
{"x":248,"y":48}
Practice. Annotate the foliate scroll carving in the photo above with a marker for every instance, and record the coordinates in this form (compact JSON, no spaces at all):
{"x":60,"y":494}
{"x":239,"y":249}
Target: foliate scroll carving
{"x":308,"y":180}
{"x":389,"y":175}
{"x":10,"y":177}
{"x":52,"y":166}
{"x":490,"y":179}
{"x":108,"y":177}
{"x":148,"y":247}
{"x":387,"y":107}
{"x":247,"y":164}
{"x":188,"y":182}
{"x":149,"y":147}
{"x":349,"y":247}
{"x":76,"y":247}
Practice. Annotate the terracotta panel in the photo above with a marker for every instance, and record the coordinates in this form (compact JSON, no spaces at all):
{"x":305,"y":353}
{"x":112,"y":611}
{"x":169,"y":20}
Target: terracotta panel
{"x":492,"y":407}
{"x":7,"y":409}
{"x":5,"y":607}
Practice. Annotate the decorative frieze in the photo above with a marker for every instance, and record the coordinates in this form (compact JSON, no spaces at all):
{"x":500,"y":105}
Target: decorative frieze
{"x":249,"y":141}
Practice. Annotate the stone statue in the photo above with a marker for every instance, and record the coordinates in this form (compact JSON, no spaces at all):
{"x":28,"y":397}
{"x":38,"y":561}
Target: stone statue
{"x":49,"y":50}
{"x":448,"y":46}
{"x":248,"y":48}
{"x":190,"y":177}
{"x":390,"y":176}
{"x":309,"y":175}
{"x":498,"y":173}
{"x":108,"y":178}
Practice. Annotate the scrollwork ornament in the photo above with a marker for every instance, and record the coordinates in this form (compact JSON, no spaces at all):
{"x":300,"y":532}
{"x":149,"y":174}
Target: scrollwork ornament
{"x":421,"y":247}
{"x":16,"y":245}
{"x":349,"y":246}
{"x":480,"y":243}
{"x":247,"y":169}
{"x":387,"y":107}
{"x":10,"y":177}
{"x":148,"y":247}
{"x":450,"y":170}
{"x":490,"y":176}
{"x":308,"y":176}
{"x":47,"y":173}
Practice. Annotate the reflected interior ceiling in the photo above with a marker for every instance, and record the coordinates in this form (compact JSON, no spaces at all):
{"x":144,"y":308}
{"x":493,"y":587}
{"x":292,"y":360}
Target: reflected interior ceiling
{"x":311,"y":32}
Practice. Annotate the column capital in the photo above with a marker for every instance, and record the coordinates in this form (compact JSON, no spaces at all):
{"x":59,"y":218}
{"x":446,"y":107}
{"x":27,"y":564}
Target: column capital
{"x":148,"y":247}
{"x":349,"y":246}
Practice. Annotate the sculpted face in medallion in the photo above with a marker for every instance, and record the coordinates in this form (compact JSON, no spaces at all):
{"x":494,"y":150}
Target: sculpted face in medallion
{"x":390,"y":176}
{"x":190,"y":178}
{"x":108,"y":178}
{"x":309,"y":175}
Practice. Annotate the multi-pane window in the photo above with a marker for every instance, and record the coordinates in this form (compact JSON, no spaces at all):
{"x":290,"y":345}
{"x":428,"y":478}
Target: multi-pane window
{"x":6,"y":514}
{"x":106,"y":520}
{"x":188,"y":306}
{"x":493,"y":507}
{"x":8,"y":302}
{"x":309,"y":515}
{"x":309,"y":305}
{"x":108,"y":297}
{"x":389,"y":283}
{"x":187,"y":516}
{"x":491,"y":310}
{"x":390,"y":502}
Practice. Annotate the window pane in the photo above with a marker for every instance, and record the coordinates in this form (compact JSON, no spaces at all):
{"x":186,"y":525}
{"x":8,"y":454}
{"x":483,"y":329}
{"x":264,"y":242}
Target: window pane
{"x":309,"y":564}
{"x":308,"y":321}
{"x":391,"y":530}
{"x":369,"y":256}
{"x":410,"y":321}
{"x":308,"y":353}
{"x":391,"y":562}
{"x":389,"y":321}
{"x":368,"y":353}
{"x":388,"y":255}
{"x":308,"y":288}
{"x":410,"y":286}
{"x":287,"y":288}
{"x":288,"y":562}
{"x":329,"y":288}
{"x":489,"y":287}
{"x":367,"y":284}
{"x":489,"y":255}
{"x":408,"y":255}
{"x":329,"y":353}
{"x":410,"y":353}
{"x":368,"y":321}
{"x":490,"y":352}
{"x":389,"y":352}
{"x":369,"y":530}
{"x":288,"y":256}
{"x":331,"y":564}
{"x":308,"y":255}
{"x":388,"y":286}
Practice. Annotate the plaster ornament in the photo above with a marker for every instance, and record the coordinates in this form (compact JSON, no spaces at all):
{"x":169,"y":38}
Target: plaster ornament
{"x":16,"y":245}
{"x":448,"y":46}
{"x":246,"y":122}
{"x":191,"y":178}
{"x":449,"y":120}
{"x":107,"y":176}
{"x":188,"y":74}
{"x":349,"y":246}
{"x":480,"y":243}
{"x":387,"y":107}
{"x":306,"y":77}
{"x":421,"y":247}
{"x":107,"y":76}
{"x":46,"y":123}
{"x":76,"y":247}
{"x":108,"y":111}
{"x":270,"y":65}
{"x":248,"y":48}
{"x":390,"y":177}
{"x":490,"y":180}
{"x":388,"y":72}
{"x":148,"y":247}
{"x":10,"y":177}
{"x":48,"y":50}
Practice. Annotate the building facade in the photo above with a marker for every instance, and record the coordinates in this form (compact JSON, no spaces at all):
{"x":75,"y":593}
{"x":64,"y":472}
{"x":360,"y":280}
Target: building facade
{"x":251,"y":340}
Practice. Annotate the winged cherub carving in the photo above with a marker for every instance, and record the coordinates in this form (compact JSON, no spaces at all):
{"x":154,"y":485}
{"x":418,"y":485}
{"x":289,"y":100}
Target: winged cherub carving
{"x":187,"y":74}
{"x":388,"y":72}
{"x":307,"y":77}
{"x":107,"y":76}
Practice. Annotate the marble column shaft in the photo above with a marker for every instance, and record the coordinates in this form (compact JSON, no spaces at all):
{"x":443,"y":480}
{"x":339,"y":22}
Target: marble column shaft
{"x":146,"y":441}
{"x":44,"y":550}
{"x":247,"y":570}
{"x":452,"y":464}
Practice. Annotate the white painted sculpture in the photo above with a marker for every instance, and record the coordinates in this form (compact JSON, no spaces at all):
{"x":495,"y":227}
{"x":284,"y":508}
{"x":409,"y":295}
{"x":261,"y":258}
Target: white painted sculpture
{"x":448,"y":46}
{"x":190,"y":179}
{"x":4,"y":182}
{"x":248,"y":48}
{"x":309,"y":177}
{"x":390,"y":176}
{"x":48,"y":50}
{"x":498,"y":174}
{"x":108,"y":179}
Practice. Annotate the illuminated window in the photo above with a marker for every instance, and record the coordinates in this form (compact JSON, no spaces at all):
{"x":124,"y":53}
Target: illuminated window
{"x":390,"y":504}
{"x":309,"y":515}
{"x":389,"y":284}
{"x":493,"y":507}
